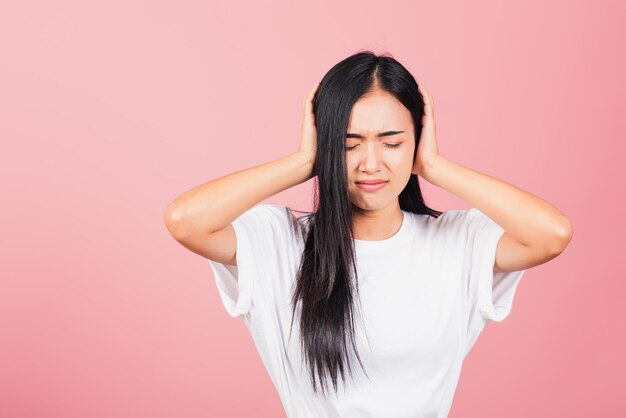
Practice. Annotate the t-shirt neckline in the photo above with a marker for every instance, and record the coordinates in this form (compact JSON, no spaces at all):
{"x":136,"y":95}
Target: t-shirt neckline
{"x":377,"y":245}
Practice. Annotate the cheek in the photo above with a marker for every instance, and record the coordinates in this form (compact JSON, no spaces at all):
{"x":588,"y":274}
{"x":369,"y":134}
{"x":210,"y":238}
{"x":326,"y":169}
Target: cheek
{"x":351,"y":165}
{"x":395,"y":161}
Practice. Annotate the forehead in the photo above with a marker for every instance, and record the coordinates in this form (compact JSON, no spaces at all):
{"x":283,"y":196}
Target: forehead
{"x":377,"y":112}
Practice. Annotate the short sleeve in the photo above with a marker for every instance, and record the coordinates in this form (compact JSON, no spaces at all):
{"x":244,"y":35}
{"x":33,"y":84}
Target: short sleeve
{"x":260,"y":233}
{"x":490,"y":294}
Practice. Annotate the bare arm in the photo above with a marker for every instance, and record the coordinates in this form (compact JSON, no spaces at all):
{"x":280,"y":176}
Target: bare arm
{"x":534,"y":230}
{"x":200,"y":219}
{"x":212,"y":206}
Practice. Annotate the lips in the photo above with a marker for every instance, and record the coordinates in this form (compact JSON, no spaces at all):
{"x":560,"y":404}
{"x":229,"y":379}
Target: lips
{"x":371,"y":181}
{"x":372,"y":187}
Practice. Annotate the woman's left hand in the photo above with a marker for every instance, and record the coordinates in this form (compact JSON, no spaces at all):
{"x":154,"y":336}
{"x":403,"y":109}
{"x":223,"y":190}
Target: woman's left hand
{"x":427,"y":147}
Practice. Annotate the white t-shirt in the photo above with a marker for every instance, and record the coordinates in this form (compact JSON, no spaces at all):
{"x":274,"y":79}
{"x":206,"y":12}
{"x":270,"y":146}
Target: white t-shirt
{"x":425,"y":293}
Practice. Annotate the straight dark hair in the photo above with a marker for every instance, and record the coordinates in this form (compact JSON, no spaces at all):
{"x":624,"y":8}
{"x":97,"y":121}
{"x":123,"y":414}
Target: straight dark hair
{"x":327,"y":281}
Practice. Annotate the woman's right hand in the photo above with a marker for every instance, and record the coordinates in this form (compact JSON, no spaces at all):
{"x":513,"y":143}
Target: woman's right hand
{"x":308,"y":144}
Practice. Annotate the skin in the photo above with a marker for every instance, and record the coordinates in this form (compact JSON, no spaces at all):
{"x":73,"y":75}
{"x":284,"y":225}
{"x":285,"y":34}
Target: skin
{"x":535,"y":230}
{"x":377,"y":214}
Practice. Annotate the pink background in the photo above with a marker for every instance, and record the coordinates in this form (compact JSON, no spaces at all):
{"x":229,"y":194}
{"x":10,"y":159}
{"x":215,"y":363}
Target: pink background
{"x":109,"y":111}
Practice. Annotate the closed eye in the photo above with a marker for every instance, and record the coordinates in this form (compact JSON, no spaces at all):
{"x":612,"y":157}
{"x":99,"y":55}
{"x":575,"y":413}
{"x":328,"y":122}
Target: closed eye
{"x":387,"y":145}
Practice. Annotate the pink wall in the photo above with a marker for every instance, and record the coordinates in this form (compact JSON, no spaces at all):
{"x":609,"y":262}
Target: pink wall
{"x":109,"y":111}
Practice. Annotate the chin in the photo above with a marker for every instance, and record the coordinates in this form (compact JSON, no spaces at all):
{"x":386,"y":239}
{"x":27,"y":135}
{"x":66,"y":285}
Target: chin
{"x":373,"y":203}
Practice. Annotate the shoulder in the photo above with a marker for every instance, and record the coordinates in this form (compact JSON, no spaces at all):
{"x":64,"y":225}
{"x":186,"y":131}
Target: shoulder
{"x":469,"y":225}
{"x":452,"y":218}
{"x":277,"y":218}
{"x":272,"y":210}
{"x":459,"y":223}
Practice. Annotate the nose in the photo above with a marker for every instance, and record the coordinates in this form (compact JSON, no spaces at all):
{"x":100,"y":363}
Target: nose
{"x":371,"y":159}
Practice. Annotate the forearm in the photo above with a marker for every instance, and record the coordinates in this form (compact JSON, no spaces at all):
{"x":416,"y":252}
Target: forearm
{"x":531,"y":220}
{"x":215,"y":204}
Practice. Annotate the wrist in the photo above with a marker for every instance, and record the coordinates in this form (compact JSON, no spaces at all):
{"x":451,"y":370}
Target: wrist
{"x":431,"y":166}
{"x":305,"y":163}
{"x":306,"y":158}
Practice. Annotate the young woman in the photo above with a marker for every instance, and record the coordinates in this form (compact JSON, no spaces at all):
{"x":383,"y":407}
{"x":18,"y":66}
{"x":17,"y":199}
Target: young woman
{"x":372,"y":274}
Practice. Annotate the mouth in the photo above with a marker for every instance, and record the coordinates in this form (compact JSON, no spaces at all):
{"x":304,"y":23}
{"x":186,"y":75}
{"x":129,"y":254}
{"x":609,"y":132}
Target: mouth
{"x":372,"y":186}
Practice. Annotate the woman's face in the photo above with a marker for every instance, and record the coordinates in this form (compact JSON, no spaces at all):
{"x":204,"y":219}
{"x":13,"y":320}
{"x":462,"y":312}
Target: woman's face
{"x":372,"y":157}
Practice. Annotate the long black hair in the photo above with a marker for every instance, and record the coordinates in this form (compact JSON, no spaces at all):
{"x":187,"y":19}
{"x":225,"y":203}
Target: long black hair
{"x":326,"y":281}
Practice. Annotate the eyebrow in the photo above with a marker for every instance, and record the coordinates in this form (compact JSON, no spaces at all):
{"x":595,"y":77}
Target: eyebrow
{"x":380,"y":135}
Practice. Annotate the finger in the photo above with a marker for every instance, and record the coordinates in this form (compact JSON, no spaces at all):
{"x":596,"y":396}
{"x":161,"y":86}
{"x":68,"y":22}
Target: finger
{"x":427,"y":108}
{"x":423,"y":91}
{"x":309,"y":97}
{"x":428,"y":101}
{"x":313,"y":90}
{"x":431,"y":104}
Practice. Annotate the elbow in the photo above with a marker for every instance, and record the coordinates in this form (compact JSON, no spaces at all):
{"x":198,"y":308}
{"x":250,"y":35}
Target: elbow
{"x":173,"y":219}
{"x":564,"y":235}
